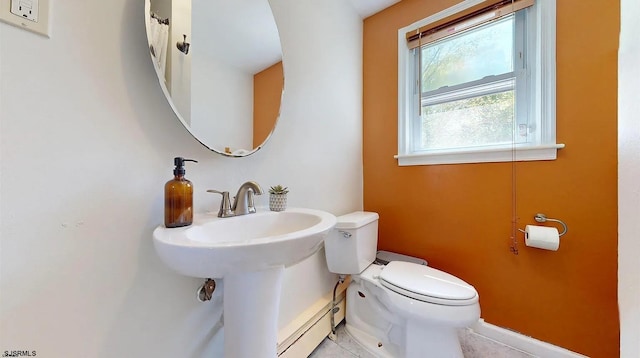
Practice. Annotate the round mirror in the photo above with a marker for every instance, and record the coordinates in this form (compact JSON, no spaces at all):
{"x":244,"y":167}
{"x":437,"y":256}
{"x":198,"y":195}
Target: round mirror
{"x":219,"y":64}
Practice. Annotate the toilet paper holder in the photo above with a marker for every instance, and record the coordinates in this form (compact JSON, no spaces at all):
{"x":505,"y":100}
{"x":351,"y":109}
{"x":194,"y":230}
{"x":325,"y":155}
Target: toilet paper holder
{"x":543,"y":218}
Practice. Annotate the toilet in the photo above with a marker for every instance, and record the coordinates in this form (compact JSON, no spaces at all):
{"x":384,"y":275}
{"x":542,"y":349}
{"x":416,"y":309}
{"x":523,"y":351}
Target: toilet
{"x":401,"y":309}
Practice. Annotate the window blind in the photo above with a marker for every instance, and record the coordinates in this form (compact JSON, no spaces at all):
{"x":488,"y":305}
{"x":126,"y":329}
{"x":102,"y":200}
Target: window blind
{"x":486,"y":11}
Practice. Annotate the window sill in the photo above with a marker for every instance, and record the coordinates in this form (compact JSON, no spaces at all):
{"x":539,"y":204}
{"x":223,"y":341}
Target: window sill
{"x":481,"y":155}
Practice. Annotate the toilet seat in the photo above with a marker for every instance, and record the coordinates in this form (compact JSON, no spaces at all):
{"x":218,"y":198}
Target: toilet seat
{"x":424,"y":283}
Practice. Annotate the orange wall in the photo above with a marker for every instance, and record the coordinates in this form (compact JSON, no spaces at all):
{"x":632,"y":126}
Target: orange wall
{"x":458,"y":217}
{"x":267,"y":93}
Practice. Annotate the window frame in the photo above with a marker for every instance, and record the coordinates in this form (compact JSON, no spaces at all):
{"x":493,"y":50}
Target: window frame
{"x":544,"y":147}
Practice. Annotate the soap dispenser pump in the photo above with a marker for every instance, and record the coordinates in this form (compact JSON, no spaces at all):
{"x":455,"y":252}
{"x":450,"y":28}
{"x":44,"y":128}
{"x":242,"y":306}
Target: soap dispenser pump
{"x":178,"y":197}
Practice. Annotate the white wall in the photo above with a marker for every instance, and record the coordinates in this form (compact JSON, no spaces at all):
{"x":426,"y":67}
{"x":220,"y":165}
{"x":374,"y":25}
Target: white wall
{"x":86,"y":145}
{"x":221,"y":104}
{"x":628,"y":183}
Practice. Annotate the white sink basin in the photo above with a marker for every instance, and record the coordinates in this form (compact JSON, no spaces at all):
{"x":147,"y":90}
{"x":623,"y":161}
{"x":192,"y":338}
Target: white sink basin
{"x":214,"y":247}
{"x":250,"y":253}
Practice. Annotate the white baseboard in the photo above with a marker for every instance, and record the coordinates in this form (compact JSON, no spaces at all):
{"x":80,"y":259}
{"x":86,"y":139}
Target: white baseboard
{"x":521,"y":342}
{"x":302,"y":335}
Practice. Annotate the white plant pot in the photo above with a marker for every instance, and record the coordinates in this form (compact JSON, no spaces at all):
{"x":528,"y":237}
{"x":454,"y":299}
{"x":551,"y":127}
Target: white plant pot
{"x":277,"y":202}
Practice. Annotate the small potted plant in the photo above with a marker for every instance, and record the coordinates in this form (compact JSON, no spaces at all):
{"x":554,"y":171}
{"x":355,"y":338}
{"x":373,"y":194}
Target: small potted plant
{"x":278,"y":198}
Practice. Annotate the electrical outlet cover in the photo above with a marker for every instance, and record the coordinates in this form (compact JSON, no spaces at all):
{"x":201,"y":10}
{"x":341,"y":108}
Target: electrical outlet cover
{"x":25,"y":8}
{"x":37,"y":22}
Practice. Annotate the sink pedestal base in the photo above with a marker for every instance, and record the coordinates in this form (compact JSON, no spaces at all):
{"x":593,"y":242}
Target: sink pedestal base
{"x":251,"y":305}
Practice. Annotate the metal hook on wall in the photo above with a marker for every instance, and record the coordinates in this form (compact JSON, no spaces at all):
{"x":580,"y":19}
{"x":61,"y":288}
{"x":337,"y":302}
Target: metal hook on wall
{"x":183,"y":46}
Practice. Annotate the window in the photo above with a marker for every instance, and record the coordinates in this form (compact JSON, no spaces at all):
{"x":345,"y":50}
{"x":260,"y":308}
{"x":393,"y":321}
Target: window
{"x":477,"y":84}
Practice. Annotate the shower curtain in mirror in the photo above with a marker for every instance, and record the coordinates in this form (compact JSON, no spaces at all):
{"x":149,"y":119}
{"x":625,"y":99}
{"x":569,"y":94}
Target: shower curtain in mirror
{"x":159,"y":40}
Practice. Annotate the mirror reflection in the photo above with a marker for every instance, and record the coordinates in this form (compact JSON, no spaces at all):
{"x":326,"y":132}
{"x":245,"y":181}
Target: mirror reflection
{"x":220,"y":65}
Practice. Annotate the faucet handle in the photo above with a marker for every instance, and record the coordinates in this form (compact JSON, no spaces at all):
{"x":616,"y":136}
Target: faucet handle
{"x":225,"y":203}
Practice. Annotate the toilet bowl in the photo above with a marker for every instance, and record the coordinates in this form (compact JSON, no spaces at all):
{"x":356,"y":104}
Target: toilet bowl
{"x":401,"y":309}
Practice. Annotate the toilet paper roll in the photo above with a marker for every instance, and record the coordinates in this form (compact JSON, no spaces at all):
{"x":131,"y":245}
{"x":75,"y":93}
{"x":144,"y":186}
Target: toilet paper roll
{"x":542,"y":237}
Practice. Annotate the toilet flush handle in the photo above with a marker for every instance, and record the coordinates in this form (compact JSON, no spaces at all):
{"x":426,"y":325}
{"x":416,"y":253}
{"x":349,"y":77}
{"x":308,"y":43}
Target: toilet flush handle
{"x":345,"y":234}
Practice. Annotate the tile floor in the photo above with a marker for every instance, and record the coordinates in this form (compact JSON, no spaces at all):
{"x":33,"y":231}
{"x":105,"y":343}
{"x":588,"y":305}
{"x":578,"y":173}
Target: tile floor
{"x":473,"y":346}
{"x":343,"y":347}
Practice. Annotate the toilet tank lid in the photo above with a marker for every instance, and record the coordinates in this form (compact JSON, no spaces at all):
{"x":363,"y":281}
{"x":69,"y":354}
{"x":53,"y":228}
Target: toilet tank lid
{"x":356,"y":219}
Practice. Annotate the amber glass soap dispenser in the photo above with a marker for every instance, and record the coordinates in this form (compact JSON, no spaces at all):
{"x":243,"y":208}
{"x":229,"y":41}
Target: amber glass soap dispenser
{"x":178,"y":197}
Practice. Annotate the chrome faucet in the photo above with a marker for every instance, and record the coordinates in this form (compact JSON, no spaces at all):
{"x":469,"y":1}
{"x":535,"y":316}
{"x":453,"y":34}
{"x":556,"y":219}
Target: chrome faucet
{"x":242,"y":202}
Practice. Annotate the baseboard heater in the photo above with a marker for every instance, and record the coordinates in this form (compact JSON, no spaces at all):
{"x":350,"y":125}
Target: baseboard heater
{"x":302,"y":335}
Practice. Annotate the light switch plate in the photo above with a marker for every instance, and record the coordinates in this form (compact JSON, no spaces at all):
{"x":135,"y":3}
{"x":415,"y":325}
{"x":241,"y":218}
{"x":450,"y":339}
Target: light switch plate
{"x":37,"y":21}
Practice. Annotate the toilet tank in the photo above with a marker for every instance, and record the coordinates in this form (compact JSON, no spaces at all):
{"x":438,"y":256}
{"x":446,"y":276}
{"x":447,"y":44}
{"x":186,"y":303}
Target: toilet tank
{"x":351,"y":246}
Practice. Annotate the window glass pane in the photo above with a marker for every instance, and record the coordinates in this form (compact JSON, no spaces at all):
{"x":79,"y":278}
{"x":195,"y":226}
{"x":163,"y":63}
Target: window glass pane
{"x":483,"y":120}
{"x":469,"y":56}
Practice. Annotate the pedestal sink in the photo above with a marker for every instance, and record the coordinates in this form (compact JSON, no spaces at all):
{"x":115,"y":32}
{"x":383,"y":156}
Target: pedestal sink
{"x":250,"y":253}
